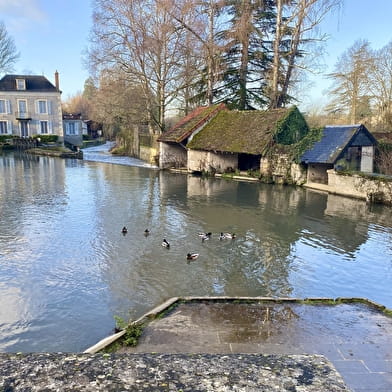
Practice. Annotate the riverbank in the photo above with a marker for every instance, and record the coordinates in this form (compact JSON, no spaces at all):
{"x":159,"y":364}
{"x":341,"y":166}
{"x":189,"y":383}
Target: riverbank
{"x":56,"y":152}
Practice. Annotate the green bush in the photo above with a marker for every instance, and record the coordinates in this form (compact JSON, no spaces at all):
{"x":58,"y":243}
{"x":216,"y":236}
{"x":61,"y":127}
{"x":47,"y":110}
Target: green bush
{"x":4,"y":138}
{"x":47,"y":138}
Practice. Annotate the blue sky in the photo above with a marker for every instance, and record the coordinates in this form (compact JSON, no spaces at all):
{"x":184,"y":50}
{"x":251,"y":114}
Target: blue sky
{"x":53,"y":34}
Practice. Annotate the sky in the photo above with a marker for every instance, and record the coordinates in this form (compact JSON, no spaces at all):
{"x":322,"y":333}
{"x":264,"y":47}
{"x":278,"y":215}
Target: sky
{"x":53,"y":35}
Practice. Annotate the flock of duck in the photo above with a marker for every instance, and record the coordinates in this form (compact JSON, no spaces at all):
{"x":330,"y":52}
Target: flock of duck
{"x":203,"y":236}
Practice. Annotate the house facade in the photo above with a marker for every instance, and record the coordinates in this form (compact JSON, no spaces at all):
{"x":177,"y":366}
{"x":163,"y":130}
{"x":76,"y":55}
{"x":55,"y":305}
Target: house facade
{"x":30,"y":105}
{"x":74,"y":128}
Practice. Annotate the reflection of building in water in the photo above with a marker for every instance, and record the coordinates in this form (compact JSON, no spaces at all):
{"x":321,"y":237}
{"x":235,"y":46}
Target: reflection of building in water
{"x":348,"y":229}
{"x":39,"y":177}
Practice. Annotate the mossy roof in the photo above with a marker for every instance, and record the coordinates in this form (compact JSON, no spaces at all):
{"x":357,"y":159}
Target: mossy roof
{"x":190,"y":123}
{"x":248,"y":131}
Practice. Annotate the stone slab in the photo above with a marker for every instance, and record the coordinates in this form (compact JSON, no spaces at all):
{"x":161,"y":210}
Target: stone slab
{"x":168,"y":372}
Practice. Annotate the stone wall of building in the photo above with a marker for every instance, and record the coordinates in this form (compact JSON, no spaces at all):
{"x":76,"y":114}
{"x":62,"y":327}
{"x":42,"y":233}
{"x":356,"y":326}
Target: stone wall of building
{"x":318,"y":173}
{"x":208,"y":161}
{"x":172,"y":156}
{"x":373,"y":189}
{"x":282,"y":169}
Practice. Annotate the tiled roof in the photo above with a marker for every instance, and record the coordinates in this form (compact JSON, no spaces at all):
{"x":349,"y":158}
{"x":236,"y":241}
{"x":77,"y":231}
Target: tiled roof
{"x":332,"y":143}
{"x":248,"y":131}
{"x":33,"y":83}
{"x":190,"y":123}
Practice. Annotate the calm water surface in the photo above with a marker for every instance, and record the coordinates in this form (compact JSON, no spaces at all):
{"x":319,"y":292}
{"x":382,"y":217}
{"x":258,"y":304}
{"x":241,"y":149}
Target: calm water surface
{"x":66,"y":269}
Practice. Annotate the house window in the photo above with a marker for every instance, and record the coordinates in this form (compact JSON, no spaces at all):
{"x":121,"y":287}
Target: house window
{"x":42,"y":107}
{"x":44,"y":127}
{"x":71,"y":129}
{"x":3,"y":107}
{"x":3,"y":127}
{"x":20,"y":84}
{"x":22,"y":106}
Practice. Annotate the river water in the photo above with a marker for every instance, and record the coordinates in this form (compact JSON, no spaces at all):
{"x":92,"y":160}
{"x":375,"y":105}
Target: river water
{"x":66,"y":269}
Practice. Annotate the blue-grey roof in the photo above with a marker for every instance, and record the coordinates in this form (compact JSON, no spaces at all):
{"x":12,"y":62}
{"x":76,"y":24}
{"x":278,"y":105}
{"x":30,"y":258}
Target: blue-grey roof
{"x":36,"y":83}
{"x":332,"y":143}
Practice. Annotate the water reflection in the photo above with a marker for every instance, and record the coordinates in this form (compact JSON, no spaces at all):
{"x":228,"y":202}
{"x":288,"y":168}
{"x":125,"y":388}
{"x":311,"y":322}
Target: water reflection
{"x":66,"y":269}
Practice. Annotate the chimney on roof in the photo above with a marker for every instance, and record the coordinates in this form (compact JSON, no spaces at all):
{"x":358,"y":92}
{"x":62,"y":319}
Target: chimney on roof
{"x":56,"y":80}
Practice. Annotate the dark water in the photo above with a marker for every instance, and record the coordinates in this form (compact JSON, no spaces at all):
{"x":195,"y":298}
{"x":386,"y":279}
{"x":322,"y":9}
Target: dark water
{"x":66,"y":269}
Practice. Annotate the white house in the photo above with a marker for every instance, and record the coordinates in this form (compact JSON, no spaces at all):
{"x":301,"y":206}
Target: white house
{"x":74,"y":128}
{"x":30,"y":105}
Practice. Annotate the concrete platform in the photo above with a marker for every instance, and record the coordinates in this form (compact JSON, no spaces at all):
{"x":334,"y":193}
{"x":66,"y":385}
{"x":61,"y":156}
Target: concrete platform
{"x":355,"y":337}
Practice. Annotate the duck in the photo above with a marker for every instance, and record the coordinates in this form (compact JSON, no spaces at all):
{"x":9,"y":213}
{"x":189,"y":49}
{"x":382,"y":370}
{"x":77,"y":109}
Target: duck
{"x":202,"y":235}
{"x":146,"y":232}
{"x":165,"y":244}
{"x":124,"y":230}
{"x":192,"y":256}
{"x":205,"y":237}
{"x":224,"y":236}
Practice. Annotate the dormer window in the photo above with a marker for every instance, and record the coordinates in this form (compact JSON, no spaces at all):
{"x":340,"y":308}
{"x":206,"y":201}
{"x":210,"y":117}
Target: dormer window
{"x":20,"y":84}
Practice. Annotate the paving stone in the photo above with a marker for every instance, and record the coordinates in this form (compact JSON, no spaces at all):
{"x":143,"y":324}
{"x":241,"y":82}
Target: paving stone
{"x":352,"y":367}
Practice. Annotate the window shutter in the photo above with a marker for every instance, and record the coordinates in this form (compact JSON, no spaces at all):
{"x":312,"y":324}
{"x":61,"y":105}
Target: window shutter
{"x":49,"y":103}
{"x":77,"y":128}
{"x":8,"y":106}
{"x":9,"y":127}
{"x":50,"y":127}
{"x":36,"y":107}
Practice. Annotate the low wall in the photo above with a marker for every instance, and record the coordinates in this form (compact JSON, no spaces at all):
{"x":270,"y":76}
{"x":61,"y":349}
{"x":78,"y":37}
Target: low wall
{"x":149,"y":155}
{"x":372,"y":189}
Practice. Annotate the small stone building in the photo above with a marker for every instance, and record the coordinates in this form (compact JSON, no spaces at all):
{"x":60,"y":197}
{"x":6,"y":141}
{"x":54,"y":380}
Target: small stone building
{"x":244,"y":140}
{"x":172,"y":144}
{"x":342,"y":147}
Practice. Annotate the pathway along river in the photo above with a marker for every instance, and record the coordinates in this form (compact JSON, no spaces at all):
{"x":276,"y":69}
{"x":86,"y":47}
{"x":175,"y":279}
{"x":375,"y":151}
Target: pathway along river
{"x":66,"y":269}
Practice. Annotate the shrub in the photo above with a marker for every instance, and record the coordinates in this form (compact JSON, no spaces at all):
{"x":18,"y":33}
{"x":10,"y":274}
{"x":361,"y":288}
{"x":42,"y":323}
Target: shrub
{"x":47,"y":138}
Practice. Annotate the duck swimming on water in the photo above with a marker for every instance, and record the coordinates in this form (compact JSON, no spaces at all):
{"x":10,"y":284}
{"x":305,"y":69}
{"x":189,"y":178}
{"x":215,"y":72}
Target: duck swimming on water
{"x":165,"y":244}
{"x":124,"y":230}
{"x":192,"y":256}
{"x":229,"y":236}
{"x":146,"y":232}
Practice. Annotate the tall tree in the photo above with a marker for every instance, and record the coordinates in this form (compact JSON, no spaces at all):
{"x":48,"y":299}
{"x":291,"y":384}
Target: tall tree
{"x":296,"y":28}
{"x":380,"y":86}
{"x":8,"y":53}
{"x":138,"y":36}
{"x":246,"y":55}
{"x":200,"y":20}
{"x":350,"y":81}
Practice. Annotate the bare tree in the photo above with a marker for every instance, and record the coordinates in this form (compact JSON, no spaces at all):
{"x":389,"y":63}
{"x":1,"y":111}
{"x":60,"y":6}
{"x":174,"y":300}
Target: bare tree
{"x":199,"y":18}
{"x":296,"y":27}
{"x":8,"y":53}
{"x":350,"y":81}
{"x":139,"y":38}
{"x":380,"y":86}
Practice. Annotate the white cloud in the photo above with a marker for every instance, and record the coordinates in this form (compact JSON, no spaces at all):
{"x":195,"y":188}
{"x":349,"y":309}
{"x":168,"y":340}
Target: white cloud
{"x":18,"y":14}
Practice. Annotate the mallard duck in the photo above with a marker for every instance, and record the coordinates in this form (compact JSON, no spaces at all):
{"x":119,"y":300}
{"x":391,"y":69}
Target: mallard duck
{"x":224,"y":236}
{"x":146,"y":232}
{"x":192,"y":256}
{"x":165,"y":244}
{"x":205,"y":234}
{"x":124,"y":230}
{"x":205,"y":237}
